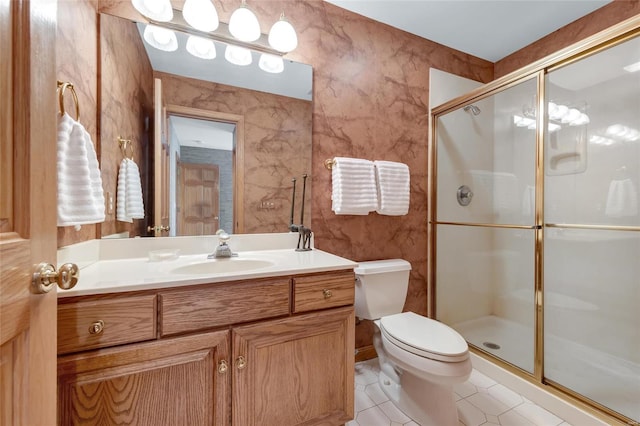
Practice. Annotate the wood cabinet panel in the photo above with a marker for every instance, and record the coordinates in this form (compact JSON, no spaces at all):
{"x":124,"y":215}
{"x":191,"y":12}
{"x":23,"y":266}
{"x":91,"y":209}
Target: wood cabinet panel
{"x":194,"y":309}
{"x":168,"y":382}
{"x":299,"y":370}
{"x":315,"y":292}
{"x":125,"y":319}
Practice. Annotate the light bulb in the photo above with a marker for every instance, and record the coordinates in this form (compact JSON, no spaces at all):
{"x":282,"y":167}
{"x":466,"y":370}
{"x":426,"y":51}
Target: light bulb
{"x":201,"y":47}
{"x":238,"y":55}
{"x":282,"y":36}
{"x":271,"y":63}
{"x":157,"y":10}
{"x":243,"y":24}
{"x":201,"y":15}
{"x":161,"y":38}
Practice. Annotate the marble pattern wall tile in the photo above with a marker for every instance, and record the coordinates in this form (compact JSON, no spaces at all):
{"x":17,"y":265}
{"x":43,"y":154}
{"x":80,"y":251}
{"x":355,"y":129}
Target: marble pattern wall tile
{"x":277,"y":135}
{"x":126,"y":89}
{"x":76,"y":54}
{"x":600,"y":19}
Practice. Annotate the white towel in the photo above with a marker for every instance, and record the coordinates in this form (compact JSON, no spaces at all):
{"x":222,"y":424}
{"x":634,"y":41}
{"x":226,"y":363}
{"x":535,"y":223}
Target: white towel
{"x":353,"y":186}
{"x":129,"y":204}
{"x":529,"y":201}
{"x":622,"y":199}
{"x":80,"y":193}
{"x":393,"y":181}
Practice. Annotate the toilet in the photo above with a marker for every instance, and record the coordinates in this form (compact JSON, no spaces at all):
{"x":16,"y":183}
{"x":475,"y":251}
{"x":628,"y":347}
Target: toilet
{"x":420,"y":359}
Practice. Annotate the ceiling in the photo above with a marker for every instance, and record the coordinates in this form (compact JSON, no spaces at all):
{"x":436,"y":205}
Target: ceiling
{"x":488,"y":29}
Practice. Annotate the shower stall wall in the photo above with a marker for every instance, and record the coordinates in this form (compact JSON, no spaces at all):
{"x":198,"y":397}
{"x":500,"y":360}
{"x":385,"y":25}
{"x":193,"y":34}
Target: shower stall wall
{"x":535,"y":222}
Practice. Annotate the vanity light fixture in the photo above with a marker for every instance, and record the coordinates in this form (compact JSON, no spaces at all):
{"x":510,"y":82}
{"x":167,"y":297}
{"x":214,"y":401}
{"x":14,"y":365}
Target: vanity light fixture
{"x":157,"y":10}
{"x":244,"y":24}
{"x":201,"y":15}
{"x":282,"y":36}
{"x":238,"y":55}
{"x":160,"y":38}
{"x":271,"y":63}
{"x":201,"y":47}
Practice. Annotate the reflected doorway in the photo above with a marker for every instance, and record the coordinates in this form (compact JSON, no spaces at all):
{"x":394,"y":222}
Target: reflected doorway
{"x":202,"y":181}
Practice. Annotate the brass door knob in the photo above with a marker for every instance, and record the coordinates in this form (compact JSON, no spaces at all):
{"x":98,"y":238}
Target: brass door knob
{"x":45,"y":277}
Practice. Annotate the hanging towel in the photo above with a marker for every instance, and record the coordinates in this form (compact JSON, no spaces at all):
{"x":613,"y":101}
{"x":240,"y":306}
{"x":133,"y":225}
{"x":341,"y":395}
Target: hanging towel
{"x":353,"y":186}
{"x":622,"y":199}
{"x":393,"y":188}
{"x":529,"y":201}
{"x":129,"y":204}
{"x":80,"y":193}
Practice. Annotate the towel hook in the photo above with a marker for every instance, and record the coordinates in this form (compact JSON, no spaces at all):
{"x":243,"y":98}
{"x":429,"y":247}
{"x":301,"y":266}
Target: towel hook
{"x":329,"y":163}
{"x":62,"y":86}
{"x":124,"y":145}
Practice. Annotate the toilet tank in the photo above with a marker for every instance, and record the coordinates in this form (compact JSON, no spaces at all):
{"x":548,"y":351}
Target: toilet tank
{"x":381,"y":287}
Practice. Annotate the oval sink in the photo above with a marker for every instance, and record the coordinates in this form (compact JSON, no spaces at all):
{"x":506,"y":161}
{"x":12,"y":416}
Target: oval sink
{"x":217,"y":266}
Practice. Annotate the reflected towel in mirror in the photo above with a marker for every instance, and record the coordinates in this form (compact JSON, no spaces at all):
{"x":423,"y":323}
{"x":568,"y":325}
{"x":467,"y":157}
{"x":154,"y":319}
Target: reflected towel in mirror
{"x":129,"y":203}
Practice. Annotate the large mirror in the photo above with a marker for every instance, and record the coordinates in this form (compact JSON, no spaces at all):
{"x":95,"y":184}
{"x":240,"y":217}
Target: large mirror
{"x":233,"y":137}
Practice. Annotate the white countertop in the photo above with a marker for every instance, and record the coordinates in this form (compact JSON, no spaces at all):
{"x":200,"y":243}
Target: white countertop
{"x":115,"y":275}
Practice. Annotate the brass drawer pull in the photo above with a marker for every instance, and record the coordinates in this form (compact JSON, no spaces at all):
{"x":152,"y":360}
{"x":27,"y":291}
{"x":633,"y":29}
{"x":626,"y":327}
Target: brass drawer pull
{"x":222,"y":366}
{"x":96,"y":327}
{"x":327,"y":293}
{"x":241,"y":362}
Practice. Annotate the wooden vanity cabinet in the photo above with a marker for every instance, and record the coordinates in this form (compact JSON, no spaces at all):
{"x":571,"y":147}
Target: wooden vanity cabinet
{"x":265,"y":365}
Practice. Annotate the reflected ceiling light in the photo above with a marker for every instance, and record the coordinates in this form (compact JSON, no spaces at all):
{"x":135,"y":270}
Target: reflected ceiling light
{"x":599,"y":140}
{"x":282,"y":36}
{"x":623,"y":132}
{"x":157,"y":10}
{"x":201,"y":47}
{"x":632,"y":67}
{"x":243,"y":24}
{"x":530,"y":123}
{"x":271,"y":63}
{"x":161,"y":38}
{"x":237,"y":55}
{"x":201,"y":15}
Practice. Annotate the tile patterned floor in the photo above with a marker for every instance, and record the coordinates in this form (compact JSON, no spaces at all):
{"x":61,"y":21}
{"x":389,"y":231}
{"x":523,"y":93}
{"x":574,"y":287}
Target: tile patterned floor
{"x":480,"y":401}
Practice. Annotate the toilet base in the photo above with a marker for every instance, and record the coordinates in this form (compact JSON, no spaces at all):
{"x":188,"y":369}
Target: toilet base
{"x":428,"y":404}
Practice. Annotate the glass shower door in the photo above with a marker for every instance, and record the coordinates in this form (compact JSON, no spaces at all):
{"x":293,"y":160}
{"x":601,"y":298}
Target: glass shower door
{"x":485,"y":229}
{"x":592,"y":224}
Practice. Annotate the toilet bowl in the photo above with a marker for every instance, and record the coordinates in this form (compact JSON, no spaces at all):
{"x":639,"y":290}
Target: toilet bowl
{"x":420,"y":359}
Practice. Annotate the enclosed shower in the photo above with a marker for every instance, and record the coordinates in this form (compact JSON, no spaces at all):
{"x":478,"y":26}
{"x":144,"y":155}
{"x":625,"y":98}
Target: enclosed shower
{"x":535,"y":222}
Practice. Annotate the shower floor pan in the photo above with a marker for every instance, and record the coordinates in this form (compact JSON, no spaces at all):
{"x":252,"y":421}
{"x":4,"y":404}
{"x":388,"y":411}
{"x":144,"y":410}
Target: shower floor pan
{"x":609,"y":380}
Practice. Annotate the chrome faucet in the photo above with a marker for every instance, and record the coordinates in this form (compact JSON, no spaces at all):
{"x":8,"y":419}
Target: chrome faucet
{"x":223,"y":249}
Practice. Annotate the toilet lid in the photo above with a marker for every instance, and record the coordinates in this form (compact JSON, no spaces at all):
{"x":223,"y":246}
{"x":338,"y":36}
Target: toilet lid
{"x":425,"y":337}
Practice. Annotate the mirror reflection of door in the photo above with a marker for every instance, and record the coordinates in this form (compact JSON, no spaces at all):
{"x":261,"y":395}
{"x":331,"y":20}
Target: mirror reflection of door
{"x":201,"y":194}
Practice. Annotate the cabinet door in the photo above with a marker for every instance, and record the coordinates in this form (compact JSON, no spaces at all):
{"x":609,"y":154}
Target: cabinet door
{"x":167,"y":382}
{"x":295,"y":371}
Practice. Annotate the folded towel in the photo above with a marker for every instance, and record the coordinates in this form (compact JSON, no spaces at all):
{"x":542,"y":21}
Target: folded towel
{"x":80,"y":193}
{"x":622,"y":199}
{"x":353,"y":186}
{"x":393,"y":188}
{"x":129,"y":203}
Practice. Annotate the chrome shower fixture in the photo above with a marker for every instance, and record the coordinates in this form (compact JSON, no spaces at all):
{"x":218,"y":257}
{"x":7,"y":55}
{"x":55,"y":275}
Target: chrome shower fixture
{"x":474,"y":109}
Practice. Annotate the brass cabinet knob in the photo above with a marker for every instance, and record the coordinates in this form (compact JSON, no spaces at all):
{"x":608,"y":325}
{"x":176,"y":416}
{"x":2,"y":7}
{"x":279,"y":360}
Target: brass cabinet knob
{"x":241,"y":362}
{"x":96,"y":327}
{"x":327,"y":293}
{"x":46,"y":277}
{"x":222,"y":366}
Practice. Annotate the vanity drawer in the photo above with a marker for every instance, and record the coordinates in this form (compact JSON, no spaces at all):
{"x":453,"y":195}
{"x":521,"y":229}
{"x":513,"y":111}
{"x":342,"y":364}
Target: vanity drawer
{"x":91,"y":324}
{"x":323,"y":291}
{"x":217,"y":305}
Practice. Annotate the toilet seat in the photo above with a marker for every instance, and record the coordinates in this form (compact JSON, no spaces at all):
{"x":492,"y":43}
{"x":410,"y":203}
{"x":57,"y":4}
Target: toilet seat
{"x":424,"y":337}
